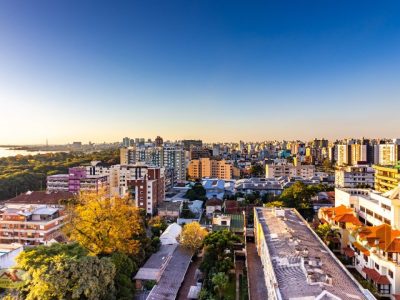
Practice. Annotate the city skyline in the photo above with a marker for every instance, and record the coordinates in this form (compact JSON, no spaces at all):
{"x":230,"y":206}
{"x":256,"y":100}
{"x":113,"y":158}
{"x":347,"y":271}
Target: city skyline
{"x":97,"y":71}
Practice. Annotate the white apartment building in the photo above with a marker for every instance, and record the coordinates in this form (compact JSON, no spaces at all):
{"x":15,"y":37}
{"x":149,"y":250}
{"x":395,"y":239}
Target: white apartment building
{"x":355,"y":176}
{"x":373,"y":208}
{"x":372,"y":247}
{"x":289,"y":170}
{"x":388,"y":154}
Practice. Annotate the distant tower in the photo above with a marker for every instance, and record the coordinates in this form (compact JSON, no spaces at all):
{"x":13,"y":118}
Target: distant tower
{"x":159,"y":141}
{"x":47,"y":143}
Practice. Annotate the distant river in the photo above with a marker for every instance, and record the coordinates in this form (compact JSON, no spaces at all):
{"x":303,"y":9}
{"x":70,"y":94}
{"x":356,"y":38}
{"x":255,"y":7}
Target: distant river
{"x":6,"y":152}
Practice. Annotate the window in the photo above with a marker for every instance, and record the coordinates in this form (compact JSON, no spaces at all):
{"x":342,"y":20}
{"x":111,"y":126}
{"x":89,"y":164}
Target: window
{"x":390,"y":273}
{"x":387,"y":221}
{"x":387,"y":207}
{"x":376,"y":266}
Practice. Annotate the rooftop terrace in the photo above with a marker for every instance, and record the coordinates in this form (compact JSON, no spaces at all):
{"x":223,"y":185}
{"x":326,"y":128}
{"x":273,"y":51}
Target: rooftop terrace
{"x":304,"y":268}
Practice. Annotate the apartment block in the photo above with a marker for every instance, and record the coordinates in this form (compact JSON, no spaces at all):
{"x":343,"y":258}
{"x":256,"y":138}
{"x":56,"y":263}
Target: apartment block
{"x":355,"y":176}
{"x":119,"y":175}
{"x":33,"y":218}
{"x":372,"y":246}
{"x":289,"y":170}
{"x":76,"y":181}
{"x":127,"y":155}
{"x":343,"y":155}
{"x":210,"y":168}
{"x":386,"y":177}
{"x":148,"y":190}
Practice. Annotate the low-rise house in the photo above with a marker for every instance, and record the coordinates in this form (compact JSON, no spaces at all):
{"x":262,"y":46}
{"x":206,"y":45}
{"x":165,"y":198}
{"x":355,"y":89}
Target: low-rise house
{"x":233,"y":222}
{"x":213,"y":205}
{"x":169,"y":210}
{"x":218,"y":187}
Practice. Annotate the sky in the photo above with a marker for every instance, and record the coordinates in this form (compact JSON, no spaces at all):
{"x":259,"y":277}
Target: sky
{"x":216,"y":70}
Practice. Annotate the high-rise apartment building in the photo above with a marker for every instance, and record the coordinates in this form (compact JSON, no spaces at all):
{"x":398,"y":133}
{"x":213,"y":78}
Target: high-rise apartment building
{"x":211,"y":168}
{"x":128,"y":156}
{"x":358,"y":153}
{"x":174,"y":158}
{"x":148,"y":190}
{"x":343,"y":155}
{"x":388,"y":154}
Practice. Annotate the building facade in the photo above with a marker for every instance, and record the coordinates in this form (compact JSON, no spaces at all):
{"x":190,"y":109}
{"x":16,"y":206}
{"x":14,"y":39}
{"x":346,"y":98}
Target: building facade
{"x":355,"y":176}
{"x":148,"y":190}
{"x":386,"y":177}
{"x":210,"y":168}
{"x":289,"y":170}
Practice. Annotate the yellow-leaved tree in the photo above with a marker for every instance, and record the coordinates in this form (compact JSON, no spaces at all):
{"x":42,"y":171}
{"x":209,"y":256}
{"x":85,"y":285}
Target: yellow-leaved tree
{"x":103,"y":224}
{"x":192,"y":236}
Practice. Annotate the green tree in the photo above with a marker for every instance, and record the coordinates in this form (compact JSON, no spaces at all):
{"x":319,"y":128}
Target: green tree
{"x":186,"y":212}
{"x":197,"y":192}
{"x":297,"y":196}
{"x":274,"y":204}
{"x":125,"y":268}
{"x":157,"y":225}
{"x":220,"y":282}
{"x":64,"y":271}
{"x":327,"y":233}
{"x":257,"y":170}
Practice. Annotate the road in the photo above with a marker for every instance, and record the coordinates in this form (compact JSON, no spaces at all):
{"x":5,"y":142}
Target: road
{"x":258,"y":289}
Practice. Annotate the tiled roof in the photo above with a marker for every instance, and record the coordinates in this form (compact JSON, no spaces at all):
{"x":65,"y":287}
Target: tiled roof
{"x":348,"y":218}
{"x":214,"y":202}
{"x":375,"y":276}
{"x":383,"y":236}
{"x":40,"y":197}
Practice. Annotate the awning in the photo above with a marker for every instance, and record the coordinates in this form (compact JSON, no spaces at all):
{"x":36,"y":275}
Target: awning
{"x":361,"y":248}
{"x":348,"y":252}
{"x":375,"y":276}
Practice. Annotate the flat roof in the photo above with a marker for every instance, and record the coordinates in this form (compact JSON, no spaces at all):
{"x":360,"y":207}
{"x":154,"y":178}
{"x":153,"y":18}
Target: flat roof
{"x":171,"y":279}
{"x":303,"y":265}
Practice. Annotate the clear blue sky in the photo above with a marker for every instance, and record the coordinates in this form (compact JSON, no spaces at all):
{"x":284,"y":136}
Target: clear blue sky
{"x":216,"y":70}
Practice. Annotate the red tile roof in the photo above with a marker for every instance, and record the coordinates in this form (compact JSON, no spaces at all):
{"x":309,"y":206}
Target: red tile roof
{"x":375,"y":276}
{"x":40,"y":197}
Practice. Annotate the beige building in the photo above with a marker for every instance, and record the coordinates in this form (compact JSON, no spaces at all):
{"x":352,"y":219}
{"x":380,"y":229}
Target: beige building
{"x":127,"y":156}
{"x":206,"y":167}
{"x":358,"y":153}
{"x":289,"y":170}
{"x":343,"y":157}
{"x":388,"y":154}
